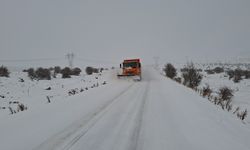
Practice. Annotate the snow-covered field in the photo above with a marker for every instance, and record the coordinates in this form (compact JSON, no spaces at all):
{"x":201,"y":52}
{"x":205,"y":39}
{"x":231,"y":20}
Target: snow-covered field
{"x":154,"y":114}
{"x":20,"y":89}
{"x":241,"y":90}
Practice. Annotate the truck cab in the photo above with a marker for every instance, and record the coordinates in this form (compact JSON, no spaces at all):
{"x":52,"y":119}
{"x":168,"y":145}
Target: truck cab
{"x":131,"y":67}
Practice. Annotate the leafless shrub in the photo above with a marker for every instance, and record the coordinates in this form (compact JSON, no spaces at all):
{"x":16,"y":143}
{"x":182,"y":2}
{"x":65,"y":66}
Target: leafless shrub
{"x":73,"y":91}
{"x":230,"y":74}
{"x":21,"y":80}
{"x":218,"y":70}
{"x":170,"y":70}
{"x":225,"y":97}
{"x":206,"y":91}
{"x":247,"y":74}
{"x":11,"y":110}
{"x":242,"y":115}
{"x":43,"y":74}
{"x":95,"y":70}
{"x":57,"y":69}
{"x":66,"y":72}
{"x":229,"y":105}
{"x":236,"y":110}
{"x":215,"y":70}
{"x":31,"y":73}
{"x":4,"y":72}
{"x":76,"y":71}
{"x":48,"y":99}
{"x":192,"y":77}
{"x":237,"y":75}
{"x":48,"y":88}
{"x":89,"y":70}
{"x":208,"y":71}
{"x":225,"y":93}
{"x":21,"y":107}
{"x":177,"y":79}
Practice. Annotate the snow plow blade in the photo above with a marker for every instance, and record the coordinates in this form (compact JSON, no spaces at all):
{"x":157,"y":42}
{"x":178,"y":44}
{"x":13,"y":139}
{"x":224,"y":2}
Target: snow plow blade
{"x":133,"y":77}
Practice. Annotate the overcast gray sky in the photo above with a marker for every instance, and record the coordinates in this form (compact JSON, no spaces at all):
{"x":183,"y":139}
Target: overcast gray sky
{"x":174,"y":30}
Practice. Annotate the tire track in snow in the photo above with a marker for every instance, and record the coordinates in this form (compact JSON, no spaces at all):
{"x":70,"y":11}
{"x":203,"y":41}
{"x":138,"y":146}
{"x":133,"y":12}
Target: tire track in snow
{"x":139,"y":118}
{"x":136,"y":110}
{"x":60,"y":140}
{"x":120,"y":127}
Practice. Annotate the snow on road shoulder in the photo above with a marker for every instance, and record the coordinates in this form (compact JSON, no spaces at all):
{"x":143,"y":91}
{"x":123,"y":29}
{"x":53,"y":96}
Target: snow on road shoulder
{"x":42,"y":119}
{"x":178,"y":118}
{"x":240,"y":90}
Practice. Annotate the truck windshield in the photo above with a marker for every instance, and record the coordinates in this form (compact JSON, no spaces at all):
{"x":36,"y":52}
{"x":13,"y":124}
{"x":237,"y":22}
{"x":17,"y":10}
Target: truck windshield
{"x":130,"y":64}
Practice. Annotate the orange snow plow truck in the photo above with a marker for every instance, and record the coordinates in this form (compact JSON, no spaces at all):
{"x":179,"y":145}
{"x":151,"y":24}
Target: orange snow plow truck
{"x":131,"y":68}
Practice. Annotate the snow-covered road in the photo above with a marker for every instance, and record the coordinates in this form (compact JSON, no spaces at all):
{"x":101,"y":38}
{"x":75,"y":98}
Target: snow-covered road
{"x":154,"y":114}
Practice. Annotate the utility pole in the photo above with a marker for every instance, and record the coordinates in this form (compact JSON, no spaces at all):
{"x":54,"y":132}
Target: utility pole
{"x":156,"y":59}
{"x":70,"y":57}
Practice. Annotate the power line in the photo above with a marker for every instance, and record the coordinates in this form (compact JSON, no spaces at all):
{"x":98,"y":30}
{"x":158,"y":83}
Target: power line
{"x":70,"y":57}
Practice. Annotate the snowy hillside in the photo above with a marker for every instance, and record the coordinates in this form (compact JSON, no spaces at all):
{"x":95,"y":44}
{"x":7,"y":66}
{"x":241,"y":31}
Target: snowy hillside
{"x":106,"y":113}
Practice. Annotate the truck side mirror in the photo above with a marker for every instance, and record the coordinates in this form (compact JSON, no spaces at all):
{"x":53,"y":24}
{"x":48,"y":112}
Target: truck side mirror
{"x":120,"y":65}
{"x":139,"y":65}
